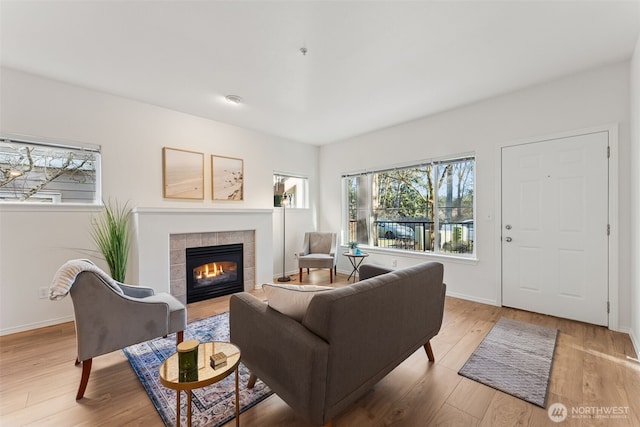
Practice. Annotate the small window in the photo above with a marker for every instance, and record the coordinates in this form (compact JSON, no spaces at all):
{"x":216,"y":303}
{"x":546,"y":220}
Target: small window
{"x":40,"y":172}
{"x":290,"y":191}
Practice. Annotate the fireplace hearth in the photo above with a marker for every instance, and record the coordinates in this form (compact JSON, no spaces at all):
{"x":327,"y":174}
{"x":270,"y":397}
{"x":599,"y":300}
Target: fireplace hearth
{"x":214,"y":271}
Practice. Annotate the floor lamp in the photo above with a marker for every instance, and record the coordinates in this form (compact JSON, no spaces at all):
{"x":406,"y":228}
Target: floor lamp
{"x":285,"y":198}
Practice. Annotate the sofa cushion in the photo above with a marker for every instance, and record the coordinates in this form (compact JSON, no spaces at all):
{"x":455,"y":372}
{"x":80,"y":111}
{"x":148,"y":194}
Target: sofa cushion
{"x":291,"y":300}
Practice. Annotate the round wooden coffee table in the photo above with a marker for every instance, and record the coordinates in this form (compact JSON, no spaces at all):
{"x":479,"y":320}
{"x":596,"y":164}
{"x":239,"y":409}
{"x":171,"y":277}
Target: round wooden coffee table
{"x":207,"y":375}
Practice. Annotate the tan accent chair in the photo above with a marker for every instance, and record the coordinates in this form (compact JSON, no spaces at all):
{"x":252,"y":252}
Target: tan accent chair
{"x":109,"y":318}
{"x":319,"y":251}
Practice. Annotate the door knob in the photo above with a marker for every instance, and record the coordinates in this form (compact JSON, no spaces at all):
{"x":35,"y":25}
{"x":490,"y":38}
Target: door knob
{"x":508,"y":239}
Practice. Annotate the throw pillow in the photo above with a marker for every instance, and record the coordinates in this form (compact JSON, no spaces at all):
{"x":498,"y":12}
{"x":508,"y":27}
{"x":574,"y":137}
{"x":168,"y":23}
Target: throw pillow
{"x":291,"y":300}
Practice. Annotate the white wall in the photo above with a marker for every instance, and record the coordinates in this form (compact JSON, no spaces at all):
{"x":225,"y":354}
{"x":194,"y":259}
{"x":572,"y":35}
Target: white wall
{"x":132,"y":135}
{"x":593,"y":98}
{"x":35,"y":241}
{"x":635,"y":198}
{"x":297,"y":222}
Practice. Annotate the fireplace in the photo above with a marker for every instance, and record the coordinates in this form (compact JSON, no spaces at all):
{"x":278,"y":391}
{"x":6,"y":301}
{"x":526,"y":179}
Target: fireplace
{"x":213,"y":271}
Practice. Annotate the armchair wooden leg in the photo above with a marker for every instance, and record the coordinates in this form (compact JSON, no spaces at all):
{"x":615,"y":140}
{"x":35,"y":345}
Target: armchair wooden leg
{"x":77,"y":361}
{"x":86,"y":370}
{"x":252,"y":380}
{"x":300,"y":275}
{"x":429,"y":350}
{"x":331,"y":275}
{"x":179,"y":337}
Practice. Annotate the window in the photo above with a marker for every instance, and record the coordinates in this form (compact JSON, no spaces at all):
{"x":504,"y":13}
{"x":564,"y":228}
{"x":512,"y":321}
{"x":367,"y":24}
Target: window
{"x":427,"y":207}
{"x":39,"y":172}
{"x":295,"y":188}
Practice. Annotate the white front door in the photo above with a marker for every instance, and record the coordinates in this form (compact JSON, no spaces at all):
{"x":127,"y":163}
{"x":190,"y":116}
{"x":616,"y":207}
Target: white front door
{"x":555,"y":227}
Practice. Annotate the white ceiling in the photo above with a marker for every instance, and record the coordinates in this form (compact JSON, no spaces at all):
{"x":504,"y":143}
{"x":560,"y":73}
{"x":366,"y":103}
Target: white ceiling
{"x":369,"y":64}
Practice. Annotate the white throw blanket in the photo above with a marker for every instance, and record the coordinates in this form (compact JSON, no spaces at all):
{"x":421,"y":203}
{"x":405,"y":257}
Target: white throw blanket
{"x":66,"y":275}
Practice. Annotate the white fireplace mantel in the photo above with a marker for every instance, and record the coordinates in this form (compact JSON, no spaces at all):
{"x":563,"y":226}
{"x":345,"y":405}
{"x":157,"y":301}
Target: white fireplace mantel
{"x":195,"y":211}
{"x":153,"y":227}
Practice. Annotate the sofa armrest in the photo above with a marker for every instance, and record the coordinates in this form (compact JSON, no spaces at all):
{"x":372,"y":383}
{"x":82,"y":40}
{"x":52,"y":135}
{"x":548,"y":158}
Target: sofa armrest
{"x":283,"y":353}
{"x":367,"y":271}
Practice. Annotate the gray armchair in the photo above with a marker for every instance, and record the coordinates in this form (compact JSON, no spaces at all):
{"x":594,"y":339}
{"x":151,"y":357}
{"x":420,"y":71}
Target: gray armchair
{"x":318,"y":251}
{"x":111,"y":316}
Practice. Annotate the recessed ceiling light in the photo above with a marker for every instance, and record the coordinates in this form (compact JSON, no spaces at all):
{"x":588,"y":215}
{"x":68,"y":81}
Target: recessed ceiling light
{"x":233,"y":99}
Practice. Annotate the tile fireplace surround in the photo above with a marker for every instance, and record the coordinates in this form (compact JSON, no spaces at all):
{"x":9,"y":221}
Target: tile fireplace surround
{"x":163,"y":234}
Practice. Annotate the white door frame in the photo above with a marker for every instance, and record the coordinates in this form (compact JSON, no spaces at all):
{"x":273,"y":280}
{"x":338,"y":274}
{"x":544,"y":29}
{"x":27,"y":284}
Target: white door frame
{"x":613,"y":272}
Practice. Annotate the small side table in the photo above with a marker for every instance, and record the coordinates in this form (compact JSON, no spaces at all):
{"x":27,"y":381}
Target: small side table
{"x":355,"y":260}
{"x":207,"y":375}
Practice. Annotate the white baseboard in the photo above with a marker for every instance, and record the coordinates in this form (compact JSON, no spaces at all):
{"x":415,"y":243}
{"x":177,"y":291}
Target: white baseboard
{"x":635,"y":342}
{"x":472,"y":298}
{"x":36,"y":325}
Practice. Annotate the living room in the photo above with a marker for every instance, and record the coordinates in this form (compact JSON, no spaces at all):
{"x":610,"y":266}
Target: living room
{"x":132,"y":134}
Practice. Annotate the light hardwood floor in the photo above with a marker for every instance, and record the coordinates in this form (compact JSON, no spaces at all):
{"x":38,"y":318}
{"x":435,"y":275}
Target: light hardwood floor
{"x":38,"y":379}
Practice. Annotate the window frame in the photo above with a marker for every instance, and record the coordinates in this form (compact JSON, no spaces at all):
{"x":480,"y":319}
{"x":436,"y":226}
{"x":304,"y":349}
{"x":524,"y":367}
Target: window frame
{"x":299,"y":204}
{"x":437,"y":249}
{"x":53,"y":197}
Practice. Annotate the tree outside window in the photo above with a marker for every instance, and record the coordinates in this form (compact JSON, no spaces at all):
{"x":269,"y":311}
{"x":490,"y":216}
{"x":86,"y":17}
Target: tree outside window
{"x":41,"y":172}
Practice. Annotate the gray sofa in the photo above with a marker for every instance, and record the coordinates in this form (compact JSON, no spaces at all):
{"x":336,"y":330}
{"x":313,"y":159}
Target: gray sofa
{"x":348,"y":340}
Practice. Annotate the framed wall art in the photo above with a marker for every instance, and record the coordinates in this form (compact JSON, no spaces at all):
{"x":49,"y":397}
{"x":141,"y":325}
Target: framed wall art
{"x":227,"y":178}
{"x":183,"y":174}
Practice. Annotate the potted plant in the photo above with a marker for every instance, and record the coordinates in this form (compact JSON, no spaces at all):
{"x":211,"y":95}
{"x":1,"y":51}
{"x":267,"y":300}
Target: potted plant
{"x":112,"y":234}
{"x":353,"y":247}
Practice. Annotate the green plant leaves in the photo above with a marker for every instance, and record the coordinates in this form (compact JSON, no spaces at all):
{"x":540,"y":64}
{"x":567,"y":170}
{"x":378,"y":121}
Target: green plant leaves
{"x":112,"y":235}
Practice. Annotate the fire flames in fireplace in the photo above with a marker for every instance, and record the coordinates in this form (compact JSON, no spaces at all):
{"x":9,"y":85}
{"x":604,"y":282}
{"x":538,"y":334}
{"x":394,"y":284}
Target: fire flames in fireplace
{"x":214,"y":272}
{"x":206,"y":274}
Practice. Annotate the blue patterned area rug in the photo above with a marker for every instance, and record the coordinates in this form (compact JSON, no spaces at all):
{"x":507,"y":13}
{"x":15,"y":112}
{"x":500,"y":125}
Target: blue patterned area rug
{"x":515,"y":357}
{"x":212,"y":406}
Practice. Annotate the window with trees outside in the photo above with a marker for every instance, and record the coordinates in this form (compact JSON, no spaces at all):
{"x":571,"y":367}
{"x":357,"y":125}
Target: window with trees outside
{"x":290,"y":191}
{"x":427,"y":207}
{"x":40,"y":172}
